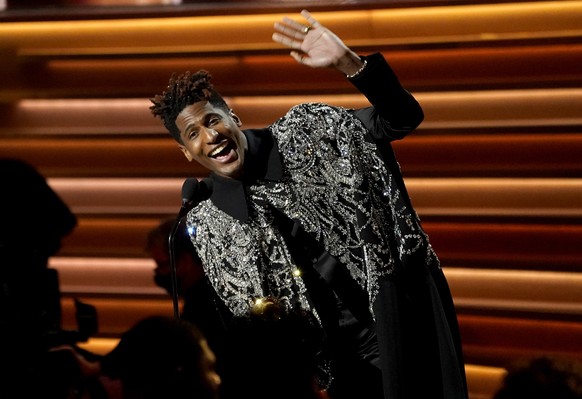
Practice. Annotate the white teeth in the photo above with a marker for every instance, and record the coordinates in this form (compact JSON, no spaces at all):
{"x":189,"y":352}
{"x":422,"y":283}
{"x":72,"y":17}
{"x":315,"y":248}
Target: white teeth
{"x":218,"y":149}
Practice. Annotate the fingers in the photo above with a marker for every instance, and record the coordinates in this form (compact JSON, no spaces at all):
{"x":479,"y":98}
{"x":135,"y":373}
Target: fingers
{"x":287,"y":41}
{"x":293,"y":34}
{"x":312,"y":21}
{"x":299,"y":57}
{"x":291,"y":29}
{"x":290,"y":33}
{"x":294,"y":25}
{"x":294,"y":29}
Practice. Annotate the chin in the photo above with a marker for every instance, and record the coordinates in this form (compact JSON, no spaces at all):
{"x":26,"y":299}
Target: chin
{"x":232,"y":173}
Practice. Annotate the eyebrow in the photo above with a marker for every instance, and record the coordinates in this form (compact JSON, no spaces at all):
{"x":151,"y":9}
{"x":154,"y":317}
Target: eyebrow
{"x":206,"y":119}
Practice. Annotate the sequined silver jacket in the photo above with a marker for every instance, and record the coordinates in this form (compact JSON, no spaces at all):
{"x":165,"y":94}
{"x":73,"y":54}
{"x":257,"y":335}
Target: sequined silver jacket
{"x":338,"y":184}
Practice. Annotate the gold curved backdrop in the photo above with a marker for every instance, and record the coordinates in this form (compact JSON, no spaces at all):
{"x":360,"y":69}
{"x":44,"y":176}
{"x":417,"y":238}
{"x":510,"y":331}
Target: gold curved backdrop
{"x":495,"y":170}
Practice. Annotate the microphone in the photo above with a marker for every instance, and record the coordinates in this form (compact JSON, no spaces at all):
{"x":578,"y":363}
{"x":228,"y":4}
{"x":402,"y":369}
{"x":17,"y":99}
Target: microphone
{"x":190,"y":189}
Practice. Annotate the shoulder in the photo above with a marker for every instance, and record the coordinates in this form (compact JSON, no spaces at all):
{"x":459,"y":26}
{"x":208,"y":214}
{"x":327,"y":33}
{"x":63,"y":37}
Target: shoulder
{"x":310,"y":117}
{"x":315,"y":108}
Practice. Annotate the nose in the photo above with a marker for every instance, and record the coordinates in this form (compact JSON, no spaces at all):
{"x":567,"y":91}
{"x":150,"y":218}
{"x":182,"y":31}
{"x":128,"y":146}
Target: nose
{"x":211,"y":133}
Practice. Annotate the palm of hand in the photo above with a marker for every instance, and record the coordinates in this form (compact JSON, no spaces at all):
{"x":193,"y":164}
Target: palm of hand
{"x":322,"y":48}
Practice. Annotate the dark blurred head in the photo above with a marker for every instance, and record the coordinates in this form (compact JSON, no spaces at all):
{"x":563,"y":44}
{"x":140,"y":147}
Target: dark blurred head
{"x":34,"y":219}
{"x":542,"y":378}
{"x":188,"y":266}
{"x":163,"y":357}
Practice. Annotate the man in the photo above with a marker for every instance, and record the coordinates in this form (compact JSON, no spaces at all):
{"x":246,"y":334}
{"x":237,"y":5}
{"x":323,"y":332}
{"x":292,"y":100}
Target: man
{"x":157,"y":357}
{"x":188,"y":267}
{"x":162,"y":357}
{"x":199,"y":306}
{"x":313,"y":210}
{"x":542,"y":377}
{"x":30,"y":295}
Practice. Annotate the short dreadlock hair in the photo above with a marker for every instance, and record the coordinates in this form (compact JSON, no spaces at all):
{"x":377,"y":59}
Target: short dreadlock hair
{"x":184,"y":90}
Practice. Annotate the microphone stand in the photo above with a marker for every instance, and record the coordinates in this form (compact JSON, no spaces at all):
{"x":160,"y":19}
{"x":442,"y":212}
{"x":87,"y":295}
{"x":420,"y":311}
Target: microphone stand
{"x":189,"y":190}
{"x":173,"y":272}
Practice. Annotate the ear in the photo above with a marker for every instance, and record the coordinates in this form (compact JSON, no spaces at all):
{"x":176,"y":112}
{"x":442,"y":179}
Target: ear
{"x":235,"y":118}
{"x":185,"y":152}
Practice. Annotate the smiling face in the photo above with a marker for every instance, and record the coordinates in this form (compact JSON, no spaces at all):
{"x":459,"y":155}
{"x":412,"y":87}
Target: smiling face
{"x":212,"y":137}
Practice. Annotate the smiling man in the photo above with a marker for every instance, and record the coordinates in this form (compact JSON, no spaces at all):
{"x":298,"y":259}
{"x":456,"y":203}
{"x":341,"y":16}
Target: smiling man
{"x":313,"y":210}
{"x":210,"y":134}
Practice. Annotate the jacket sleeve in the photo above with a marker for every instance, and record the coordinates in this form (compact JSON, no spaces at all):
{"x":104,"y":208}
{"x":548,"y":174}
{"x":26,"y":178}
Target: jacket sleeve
{"x":394,"y":112}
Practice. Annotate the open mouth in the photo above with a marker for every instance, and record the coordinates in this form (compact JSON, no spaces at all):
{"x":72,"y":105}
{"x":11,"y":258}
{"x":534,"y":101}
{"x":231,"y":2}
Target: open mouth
{"x":222,"y":150}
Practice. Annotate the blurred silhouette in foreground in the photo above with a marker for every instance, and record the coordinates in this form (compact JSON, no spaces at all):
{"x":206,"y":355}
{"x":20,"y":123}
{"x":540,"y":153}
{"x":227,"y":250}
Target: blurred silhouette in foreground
{"x":542,"y":378}
{"x":199,"y":305}
{"x":163,"y":357}
{"x":33,"y":222}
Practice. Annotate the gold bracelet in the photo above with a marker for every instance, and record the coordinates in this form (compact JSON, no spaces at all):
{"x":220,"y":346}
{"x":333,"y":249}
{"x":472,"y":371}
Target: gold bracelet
{"x":353,"y":75}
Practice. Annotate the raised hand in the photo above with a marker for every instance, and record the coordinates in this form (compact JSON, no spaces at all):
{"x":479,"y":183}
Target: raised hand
{"x":314,"y":45}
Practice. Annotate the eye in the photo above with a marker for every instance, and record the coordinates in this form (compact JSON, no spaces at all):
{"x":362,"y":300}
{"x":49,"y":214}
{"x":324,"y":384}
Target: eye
{"x":193,"y":134}
{"x":213,"y":121}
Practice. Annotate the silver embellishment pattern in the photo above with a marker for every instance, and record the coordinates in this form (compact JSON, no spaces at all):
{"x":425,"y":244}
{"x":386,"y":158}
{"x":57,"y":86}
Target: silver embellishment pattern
{"x":335,"y":183}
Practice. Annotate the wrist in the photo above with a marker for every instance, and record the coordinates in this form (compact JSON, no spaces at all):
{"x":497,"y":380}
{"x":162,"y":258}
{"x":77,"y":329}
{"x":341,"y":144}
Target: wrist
{"x":356,"y":73}
{"x":350,"y":64}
